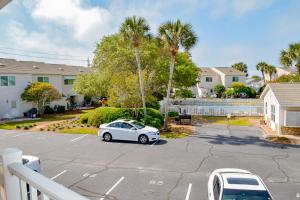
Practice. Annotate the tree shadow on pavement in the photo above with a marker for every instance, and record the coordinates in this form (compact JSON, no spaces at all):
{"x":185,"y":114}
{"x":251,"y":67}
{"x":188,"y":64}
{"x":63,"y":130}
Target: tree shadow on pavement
{"x":246,"y":140}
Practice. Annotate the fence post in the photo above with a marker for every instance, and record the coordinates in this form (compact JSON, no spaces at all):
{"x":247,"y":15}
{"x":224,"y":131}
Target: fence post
{"x":9,"y":184}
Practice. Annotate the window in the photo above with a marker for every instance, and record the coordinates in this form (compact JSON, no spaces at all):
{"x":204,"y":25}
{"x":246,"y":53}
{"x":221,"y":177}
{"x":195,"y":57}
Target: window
{"x":235,"y":79}
{"x":115,"y":125}
{"x":7,"y":80}
{"x":69,"y":80}
{"x":13,"y":104}
{"x":208,"y":79}
{"x":127,"y":126}
{"x":266,"y":108}
{"x":273,"y":113}
{"x":43,"y":79}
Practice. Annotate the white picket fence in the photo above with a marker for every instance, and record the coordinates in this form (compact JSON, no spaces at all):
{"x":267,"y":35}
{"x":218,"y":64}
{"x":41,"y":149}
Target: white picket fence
{"x":15,"y":177}
{"x":216,"y":107}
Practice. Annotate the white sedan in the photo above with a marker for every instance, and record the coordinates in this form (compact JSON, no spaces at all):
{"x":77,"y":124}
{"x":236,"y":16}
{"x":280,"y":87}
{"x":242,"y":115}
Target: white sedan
{"x":236,"y":184}
{"x":128,"y":130}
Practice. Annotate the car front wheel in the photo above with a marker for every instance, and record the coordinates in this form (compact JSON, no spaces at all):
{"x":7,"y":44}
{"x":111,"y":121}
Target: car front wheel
{"x":143,"y":139}
{"x":107,"y":137}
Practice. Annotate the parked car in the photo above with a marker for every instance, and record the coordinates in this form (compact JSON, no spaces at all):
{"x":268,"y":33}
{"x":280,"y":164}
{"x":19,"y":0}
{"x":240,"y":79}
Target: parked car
{"x":128,"y":130}
{"x":32,"y":162}
{"x":236,"y":184}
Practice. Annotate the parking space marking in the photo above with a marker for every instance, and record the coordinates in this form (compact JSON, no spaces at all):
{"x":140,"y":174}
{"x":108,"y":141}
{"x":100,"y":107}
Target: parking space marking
{"x":113,"y":187}
{"x":187,"y":197}
{"x":154,"y":143}
{"x":61,"y":173}
{"x":78,"y":138}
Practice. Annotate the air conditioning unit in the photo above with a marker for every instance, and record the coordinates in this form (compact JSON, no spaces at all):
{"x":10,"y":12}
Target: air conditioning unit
{"x":291,"y":118}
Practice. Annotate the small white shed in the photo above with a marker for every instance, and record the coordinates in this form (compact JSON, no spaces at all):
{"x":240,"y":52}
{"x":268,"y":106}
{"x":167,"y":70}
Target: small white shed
{"x":282,"y":107}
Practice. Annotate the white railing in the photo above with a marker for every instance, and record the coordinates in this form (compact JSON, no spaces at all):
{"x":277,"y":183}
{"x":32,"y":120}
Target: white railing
{"x":18,"y":182}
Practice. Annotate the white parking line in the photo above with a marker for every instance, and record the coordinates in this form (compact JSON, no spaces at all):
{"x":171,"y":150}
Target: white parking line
{"x":78,"y":138}
{"x":61,"y":173}
{"x":154,"y":143}
{"x":113,"y":187}
{"x":188,"y":192}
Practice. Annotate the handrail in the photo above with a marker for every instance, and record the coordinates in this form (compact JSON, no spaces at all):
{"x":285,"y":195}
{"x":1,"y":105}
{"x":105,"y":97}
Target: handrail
{"x":43,"y":184}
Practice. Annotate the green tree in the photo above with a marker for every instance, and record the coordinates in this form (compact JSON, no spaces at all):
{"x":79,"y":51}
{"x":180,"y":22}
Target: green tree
{"x":291,"y":56}
{"x":175,"y":35}
{"x":262,"y":67}
{"x":184,"y":93}
{"x":241,"y":67}
{"x":219,"y":90}
{"x":240,"y":90}
{"x":255,"y":77}
{"x":40,"y":94}
{"x":270,"y":70}
{"x":135,"y":29}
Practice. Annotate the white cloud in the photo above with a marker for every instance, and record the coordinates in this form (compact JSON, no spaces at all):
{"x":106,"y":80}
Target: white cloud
{"x":42,"y":42}
{"x":85,"y":23}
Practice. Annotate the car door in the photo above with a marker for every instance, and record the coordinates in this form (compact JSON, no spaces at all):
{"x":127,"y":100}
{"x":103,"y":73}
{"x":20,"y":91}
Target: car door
{"x":128,"y":132}
{"x":116,"y":130}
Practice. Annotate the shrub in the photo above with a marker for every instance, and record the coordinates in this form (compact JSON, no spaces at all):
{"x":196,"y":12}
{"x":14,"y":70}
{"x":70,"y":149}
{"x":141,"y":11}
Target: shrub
{"x":41,"y":129}
{"x":18,"y":127}
{"x":84,"y":118}
{"x":26,"y":127}
{"x":48,"y":110}
{"x":105,"y":114}
{"x":61,"y":109}
{"x":173,"y":114}
{"x":219,"y":90}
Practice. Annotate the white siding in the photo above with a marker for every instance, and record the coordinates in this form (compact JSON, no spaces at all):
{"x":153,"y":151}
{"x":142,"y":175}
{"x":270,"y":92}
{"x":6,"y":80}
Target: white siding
{"x":270,"y":99}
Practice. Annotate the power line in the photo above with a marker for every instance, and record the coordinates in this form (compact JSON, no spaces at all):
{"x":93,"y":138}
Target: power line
{"x":8,"y":48}
{"x":16,"y":54}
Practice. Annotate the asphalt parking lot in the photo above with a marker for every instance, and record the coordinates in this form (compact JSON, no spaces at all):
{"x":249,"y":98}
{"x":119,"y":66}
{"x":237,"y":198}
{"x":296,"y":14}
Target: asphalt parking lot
{"x":173,"y":169}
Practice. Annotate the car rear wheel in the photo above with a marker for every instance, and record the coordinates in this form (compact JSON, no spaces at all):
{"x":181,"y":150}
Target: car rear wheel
{"x":107,"y":137}
{"x":143,"y":139}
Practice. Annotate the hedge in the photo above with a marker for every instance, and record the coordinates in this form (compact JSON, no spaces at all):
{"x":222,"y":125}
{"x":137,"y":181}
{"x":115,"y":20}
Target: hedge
{"x":107,"y":114}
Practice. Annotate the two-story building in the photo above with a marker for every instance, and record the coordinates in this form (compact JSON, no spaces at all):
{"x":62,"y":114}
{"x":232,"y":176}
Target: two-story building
{"x":16,"y":75}
{"x":210,"y":77}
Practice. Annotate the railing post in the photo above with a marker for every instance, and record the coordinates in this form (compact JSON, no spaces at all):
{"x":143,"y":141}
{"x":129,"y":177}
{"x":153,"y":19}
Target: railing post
{"x":9,"y":184}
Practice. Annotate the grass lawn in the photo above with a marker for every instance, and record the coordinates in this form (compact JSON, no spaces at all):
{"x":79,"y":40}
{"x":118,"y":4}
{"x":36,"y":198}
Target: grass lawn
{"x":84,"y":130}
{"x":28,"y":123}
{"x":233,"y":121}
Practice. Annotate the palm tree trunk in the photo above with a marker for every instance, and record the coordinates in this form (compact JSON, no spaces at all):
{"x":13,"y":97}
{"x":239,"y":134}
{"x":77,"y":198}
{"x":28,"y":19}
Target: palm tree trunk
{"x":263,"y":75}
{"x":298,"y":67}
{"x":172,"y":64}
{"x":138,"y":61}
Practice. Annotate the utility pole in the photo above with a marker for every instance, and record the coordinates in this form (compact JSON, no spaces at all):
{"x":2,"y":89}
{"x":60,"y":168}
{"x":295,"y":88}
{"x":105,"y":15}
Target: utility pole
{"x":88,"y":62}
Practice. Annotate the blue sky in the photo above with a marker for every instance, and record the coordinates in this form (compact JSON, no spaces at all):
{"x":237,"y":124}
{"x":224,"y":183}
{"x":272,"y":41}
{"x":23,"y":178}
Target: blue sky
{"x":229,"y":31}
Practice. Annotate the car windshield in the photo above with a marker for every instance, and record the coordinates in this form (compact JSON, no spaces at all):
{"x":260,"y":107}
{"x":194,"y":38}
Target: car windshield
{"x":138,"y":125}
{"x":233,"y":194}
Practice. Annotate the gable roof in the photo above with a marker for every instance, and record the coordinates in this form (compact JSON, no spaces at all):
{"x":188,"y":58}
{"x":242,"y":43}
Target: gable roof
{"x":12,"y":66}
{"x":230,"y":71}
{"x":287,"y":94}
{"x":291,"y":70}
{"x":206,"y":71}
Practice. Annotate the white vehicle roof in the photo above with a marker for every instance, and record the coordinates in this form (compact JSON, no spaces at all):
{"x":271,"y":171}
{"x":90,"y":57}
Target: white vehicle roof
{"x":123,"y":120}
{"x":239,"y":180}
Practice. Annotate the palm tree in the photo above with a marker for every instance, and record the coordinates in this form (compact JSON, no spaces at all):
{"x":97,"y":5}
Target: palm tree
{"x":291,"y":56}
{"x":135,"y":29}
{"x":241,"y":67}
{"x":262,"y":66}
{"x":270,"y":69}
{"x":175,"y":35}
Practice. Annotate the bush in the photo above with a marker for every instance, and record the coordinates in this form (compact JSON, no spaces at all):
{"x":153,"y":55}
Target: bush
{"x":219,"y":90}
{"x":173,"y":114}
{"x":18,"y":126}
{"x":48,"y":110}
{"x":84,"y":118}
{"x":153,"y":103}
{"x":61,"y":109}
{"x":107,"y":114}
{"x":184,"y":93}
